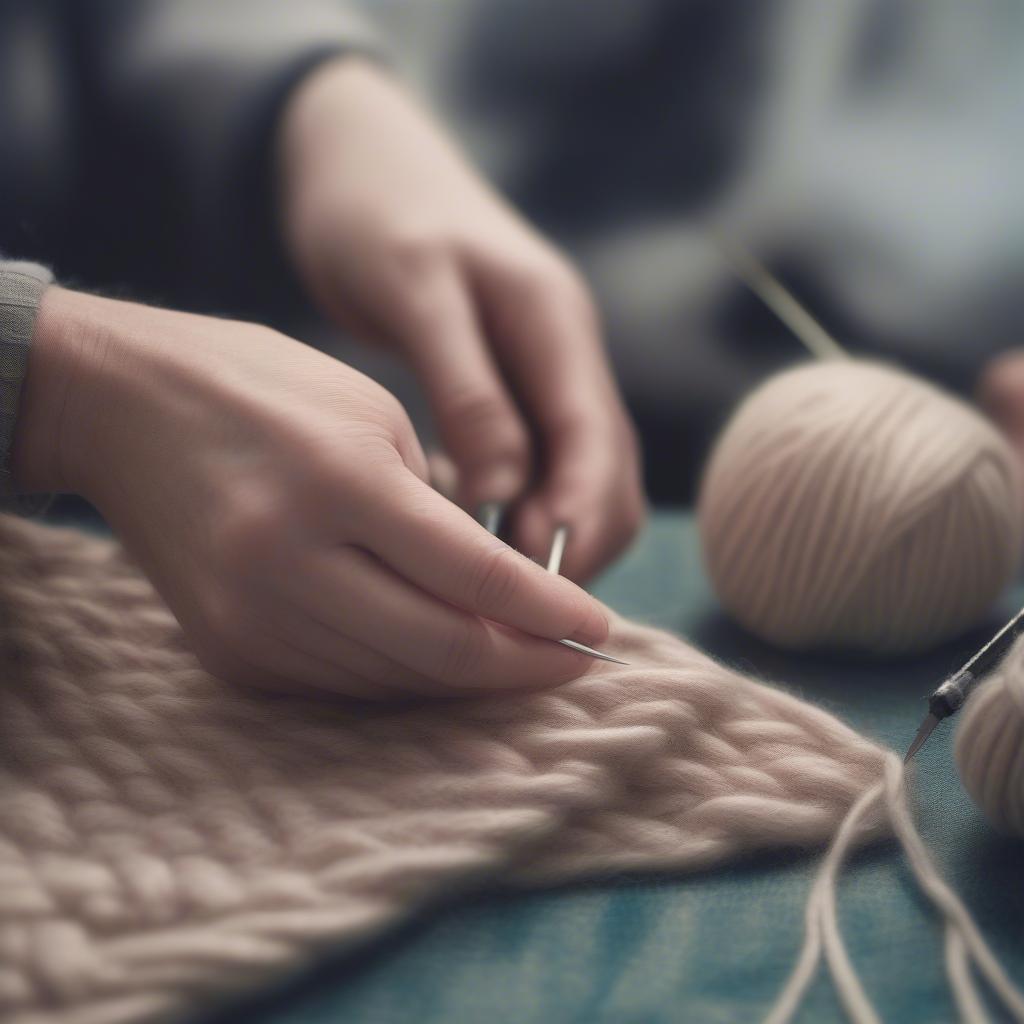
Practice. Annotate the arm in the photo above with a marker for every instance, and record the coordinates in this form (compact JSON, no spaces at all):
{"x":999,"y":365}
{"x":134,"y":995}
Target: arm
{"x":400,"y":241}
{"x":389,"y":228}
{"x":278,"y":501}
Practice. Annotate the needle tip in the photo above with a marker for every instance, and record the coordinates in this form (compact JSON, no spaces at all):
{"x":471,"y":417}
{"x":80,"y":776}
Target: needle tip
{"x":925,"y":730}
{"x":584,"y":649}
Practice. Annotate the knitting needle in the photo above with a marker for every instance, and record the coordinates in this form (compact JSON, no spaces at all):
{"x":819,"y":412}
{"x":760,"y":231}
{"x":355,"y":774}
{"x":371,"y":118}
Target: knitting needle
{"x":490,"y":515}
{"x":781,"y":301}
{"x":949,"y":698}
{"x":558,"y":543}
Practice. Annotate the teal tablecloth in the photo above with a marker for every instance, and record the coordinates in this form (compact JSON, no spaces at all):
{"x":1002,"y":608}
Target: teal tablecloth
{"x":714,"y":947}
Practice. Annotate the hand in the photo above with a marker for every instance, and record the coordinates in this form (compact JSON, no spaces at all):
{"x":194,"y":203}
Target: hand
{"x":401,"y":242}
{"x":1000,"y":391}
{"x":276,"y":499}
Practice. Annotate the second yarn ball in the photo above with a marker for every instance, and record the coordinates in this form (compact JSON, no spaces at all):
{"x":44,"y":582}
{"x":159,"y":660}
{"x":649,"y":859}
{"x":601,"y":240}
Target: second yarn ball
{"x":990,"y":744}
{"x":851,"y":505}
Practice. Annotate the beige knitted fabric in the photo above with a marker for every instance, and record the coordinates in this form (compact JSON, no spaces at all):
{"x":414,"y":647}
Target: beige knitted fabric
{"x":166,"y":839}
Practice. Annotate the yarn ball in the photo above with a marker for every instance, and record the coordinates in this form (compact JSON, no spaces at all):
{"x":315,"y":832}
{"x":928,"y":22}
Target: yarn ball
{"x":989,"y":745}
{"x":851,"y":505}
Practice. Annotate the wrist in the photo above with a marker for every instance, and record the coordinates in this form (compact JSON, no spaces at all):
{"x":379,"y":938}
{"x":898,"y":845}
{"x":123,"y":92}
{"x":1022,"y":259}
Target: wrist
{"x":309,"y":131}
{"x":336,"y":127}
{"x":310,"y":122}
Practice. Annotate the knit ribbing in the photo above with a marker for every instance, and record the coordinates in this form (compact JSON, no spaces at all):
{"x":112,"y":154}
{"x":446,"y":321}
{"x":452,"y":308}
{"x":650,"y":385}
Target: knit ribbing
{"x":166,"y":838}
{"x":21,"y":288}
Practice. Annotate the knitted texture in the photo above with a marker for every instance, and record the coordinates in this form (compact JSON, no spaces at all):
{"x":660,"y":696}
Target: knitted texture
{"x":166,"y":839}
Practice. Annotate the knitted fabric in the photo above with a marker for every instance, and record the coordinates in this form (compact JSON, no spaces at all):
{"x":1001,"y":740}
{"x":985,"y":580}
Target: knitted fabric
{"x":166,"y":839}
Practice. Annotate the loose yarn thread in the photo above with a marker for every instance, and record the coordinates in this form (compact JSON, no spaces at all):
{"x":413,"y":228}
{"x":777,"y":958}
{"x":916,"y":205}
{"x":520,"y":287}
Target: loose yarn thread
{"x":965,"y":948}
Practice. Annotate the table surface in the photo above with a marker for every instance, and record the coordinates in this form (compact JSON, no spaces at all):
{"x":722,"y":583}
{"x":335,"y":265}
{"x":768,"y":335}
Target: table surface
{"x":713,"y":947}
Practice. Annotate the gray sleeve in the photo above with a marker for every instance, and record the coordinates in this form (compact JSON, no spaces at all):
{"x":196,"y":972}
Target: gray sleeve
{"x":21,"y":289}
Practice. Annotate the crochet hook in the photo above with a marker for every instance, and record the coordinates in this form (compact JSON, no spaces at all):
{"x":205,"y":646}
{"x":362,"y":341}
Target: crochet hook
{"x":490,"y":514}
{"x":949,"y":698}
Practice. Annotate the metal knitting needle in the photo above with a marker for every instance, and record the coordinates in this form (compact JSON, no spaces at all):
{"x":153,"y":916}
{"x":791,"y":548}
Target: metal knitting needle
{"x":490,"y":515}
{"x":770,"y":290}
{"x":949,"y":698}
{"x":558,"y":543}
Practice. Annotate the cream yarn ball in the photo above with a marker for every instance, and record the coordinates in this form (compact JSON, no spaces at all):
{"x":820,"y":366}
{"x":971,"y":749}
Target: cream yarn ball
{"x":989,"y":746}
{"x":848,"y":504}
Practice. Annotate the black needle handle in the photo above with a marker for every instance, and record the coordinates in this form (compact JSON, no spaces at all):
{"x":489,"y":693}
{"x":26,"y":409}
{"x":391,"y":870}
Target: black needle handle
{"x":950,"y":697}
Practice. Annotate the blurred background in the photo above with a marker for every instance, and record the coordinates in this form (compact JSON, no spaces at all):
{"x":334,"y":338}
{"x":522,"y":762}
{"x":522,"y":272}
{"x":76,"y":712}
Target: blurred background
{"x":869,"y":151}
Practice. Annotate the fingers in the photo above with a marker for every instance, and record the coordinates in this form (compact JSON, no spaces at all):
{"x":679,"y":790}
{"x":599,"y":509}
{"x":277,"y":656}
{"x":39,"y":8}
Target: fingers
{"x":278,"y":666}
{"x":441,"y":549}
{"x":324,"y":643}
{"x":589,"y":489}
{"x":593,"y":484}
{"x":350,"y":591}
{"x":477,"y":418}
{"x":591,"y":475}
{"x":1000,"y":391}
{"x":290,"y":651}
{"x":442,"y":475}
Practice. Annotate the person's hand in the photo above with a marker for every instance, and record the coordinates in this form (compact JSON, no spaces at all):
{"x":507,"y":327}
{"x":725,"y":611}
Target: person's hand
{"x":402,"y":243}
{"x":1000,"y":391}
{"x":277,"y":500}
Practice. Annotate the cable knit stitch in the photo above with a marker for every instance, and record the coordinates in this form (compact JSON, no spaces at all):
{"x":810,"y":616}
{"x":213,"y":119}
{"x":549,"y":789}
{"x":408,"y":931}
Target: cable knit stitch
{"x":166,"y":839}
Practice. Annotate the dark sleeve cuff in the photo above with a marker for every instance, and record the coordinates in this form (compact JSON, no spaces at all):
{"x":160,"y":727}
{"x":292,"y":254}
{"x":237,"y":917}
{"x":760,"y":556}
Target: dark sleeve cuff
{"x":191,"y":94}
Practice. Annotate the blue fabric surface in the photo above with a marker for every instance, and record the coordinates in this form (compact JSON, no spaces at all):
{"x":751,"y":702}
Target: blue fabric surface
{"x":714,"y":947}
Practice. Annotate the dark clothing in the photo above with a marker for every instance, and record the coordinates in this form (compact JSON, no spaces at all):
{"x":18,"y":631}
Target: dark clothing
{"x":137,"y":137}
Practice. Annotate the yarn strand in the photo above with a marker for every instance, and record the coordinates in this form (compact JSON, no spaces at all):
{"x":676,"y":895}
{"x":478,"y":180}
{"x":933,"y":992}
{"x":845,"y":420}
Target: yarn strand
{"x":958,"y":968}
{"x":958,"y":918}
{"x":781,"y":301}
{"x":823,"y":933}
{"x":964,"y":945}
